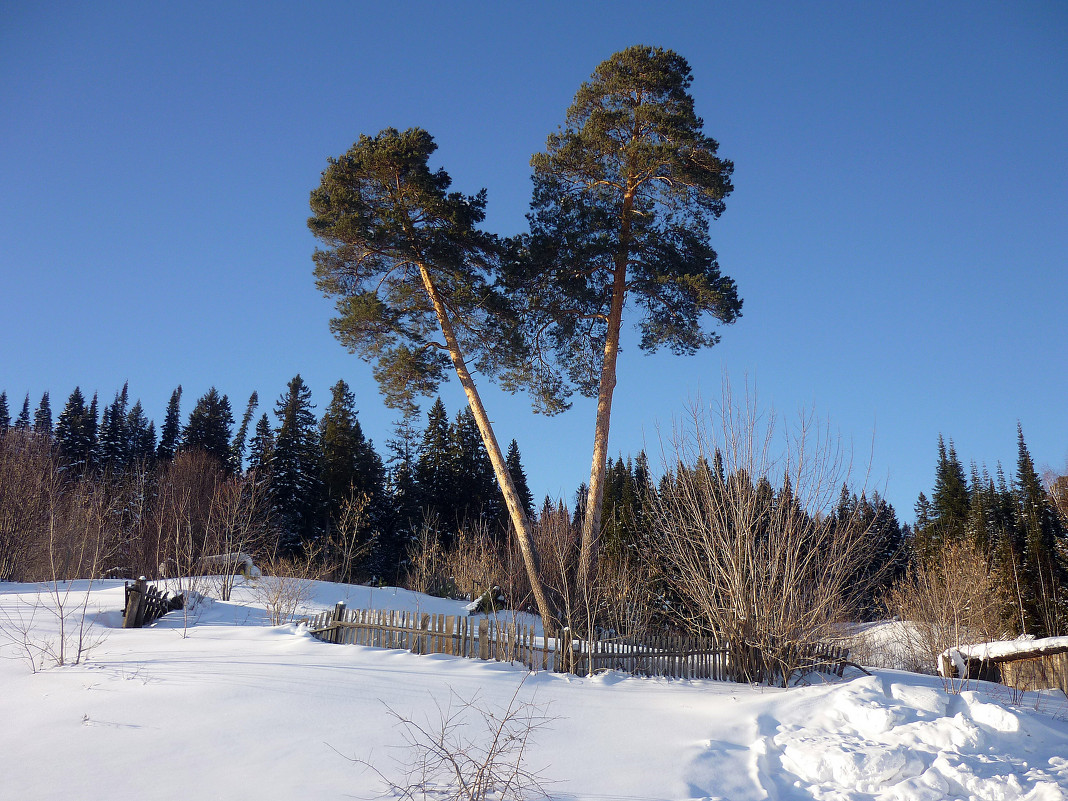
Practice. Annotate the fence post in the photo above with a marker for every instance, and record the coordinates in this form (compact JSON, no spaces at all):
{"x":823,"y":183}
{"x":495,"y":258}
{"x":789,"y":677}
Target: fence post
{"x":134,"y":599}
{"x":483,"y":639}
{"x":339,"y":617}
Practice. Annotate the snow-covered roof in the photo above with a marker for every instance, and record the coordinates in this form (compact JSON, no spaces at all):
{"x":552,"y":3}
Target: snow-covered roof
{"x":1005,"y":650}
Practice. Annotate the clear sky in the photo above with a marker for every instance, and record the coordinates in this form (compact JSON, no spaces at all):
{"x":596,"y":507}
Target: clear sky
{"x":899,"y":227}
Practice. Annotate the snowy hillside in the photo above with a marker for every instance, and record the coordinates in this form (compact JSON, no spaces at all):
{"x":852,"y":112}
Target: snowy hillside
{"x":224,"y":706}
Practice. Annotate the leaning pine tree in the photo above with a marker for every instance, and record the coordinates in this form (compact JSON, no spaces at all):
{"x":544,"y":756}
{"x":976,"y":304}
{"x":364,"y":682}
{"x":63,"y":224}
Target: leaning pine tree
{"x":623,"y":197}
{"x":408,"y":268}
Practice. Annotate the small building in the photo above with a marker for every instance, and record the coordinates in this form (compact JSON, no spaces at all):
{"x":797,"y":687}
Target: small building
{"x":1026,"y":664}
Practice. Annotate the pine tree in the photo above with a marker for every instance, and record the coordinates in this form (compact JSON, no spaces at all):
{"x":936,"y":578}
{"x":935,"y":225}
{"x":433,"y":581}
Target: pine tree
{"x":171,"y":433}
{"x":22,"y":422}
{"x":93,"y":432}
{"x":5,"y":414}
{"x":296,"y":484}
{"x":42,"y":418}
{"x":403,"y":494}
{"x":623,"y":197}
{"x":209,"y":427}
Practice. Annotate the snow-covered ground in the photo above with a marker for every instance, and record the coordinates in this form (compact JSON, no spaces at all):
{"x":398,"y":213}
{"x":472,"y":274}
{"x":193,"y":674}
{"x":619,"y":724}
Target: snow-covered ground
{"x":223,"y":705}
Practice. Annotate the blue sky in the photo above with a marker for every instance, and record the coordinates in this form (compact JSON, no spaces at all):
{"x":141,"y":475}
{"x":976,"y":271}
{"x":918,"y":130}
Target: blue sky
{"x":899,"y":227}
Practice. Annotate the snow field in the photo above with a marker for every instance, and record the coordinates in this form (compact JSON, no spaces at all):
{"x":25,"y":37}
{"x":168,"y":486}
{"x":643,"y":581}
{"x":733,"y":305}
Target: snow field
{"x":224,"y":706}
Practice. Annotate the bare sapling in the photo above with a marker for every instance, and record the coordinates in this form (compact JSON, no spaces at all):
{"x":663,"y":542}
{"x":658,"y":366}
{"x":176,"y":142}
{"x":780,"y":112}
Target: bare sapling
{"x":470,"y":752}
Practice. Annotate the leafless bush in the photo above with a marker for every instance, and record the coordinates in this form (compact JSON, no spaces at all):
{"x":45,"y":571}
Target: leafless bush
{"x":427,"y":570}
{"x":471,"y":752}
{"x":350,"y":539}
{"x":946,"y":602}
{"x":237,"y":526}
{"x":748,"y":542}
{"x":287,"y":586}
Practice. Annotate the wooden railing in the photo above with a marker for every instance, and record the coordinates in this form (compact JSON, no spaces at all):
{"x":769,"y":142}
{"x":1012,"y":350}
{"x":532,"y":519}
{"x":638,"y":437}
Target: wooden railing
{"x":504,"y":641}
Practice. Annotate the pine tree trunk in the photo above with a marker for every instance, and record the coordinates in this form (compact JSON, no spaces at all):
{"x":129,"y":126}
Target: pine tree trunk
{"x":500,"y":468}
{"x":591,"y":522}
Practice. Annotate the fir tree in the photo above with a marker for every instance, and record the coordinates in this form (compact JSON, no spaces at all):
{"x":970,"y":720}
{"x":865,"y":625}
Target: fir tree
{"x":42,"y":418}
{"x":93,"y":431}
{"x":170,"y":434}
{"x":5,"y":414}
{"x":209,"y":427}
{"x":296,"y":486}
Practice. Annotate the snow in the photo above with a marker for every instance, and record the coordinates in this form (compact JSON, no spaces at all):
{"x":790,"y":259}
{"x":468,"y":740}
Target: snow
{"x":218,"y":704}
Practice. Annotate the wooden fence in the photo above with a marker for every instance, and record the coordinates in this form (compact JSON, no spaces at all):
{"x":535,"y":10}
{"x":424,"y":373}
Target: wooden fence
{"x":502,"y":641}
{"x":145,"y":604}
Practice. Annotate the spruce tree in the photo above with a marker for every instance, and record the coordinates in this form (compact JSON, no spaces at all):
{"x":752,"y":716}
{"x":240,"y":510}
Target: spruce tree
{"x":1041,"y":534}
{"x":950,"y":501}
{"x":435,"y":477}
{"x":477,"y":497}
{"x":209,"y":428}
{"x":93,"y":429}
{"x":260,"y":453}
{"x":5,"y":414}
{"x":238,"y":447}
{"x":42,"y":418}
{"x":141,"y":436}
{"x":73,"y":432}
{"x":350,"y":464}
{"x":296,"y":484}
{"x":171,"y":432}
{"x":114,"y":443}
{"x":22,"y":422}
{"x":519,"y":477}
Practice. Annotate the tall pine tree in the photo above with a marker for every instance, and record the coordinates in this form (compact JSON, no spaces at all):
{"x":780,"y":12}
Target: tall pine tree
{"x":42,"y":418}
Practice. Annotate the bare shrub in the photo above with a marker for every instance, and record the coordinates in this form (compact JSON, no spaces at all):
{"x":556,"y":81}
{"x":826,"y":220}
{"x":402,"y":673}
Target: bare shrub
{"x":350,"y":540}
{"x":287,"y":587}
{"x":427,"y":570}
{"x":749,"y":546}
{"x":470,"y":752}
{"x":951,"y":600}
{"x":238,"y":525}
{"x":474,"y":565}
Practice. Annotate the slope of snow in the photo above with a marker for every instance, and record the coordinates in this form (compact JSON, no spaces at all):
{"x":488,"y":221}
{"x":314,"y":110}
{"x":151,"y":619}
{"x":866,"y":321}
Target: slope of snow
{"x":224,"y":706}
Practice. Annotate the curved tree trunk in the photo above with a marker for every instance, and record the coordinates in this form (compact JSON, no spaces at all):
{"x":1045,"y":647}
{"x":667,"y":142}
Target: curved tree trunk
{"x":518,"y":516}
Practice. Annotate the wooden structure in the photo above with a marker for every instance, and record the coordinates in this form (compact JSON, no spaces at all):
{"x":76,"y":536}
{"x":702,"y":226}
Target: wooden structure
{"x":145,"y":604}
{"x":503,"y":641}
{"x":1037,"y":666}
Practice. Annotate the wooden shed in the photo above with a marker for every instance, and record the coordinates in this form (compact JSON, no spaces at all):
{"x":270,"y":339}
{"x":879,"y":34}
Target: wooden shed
{"x":1023,"y":664}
